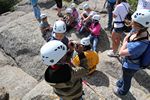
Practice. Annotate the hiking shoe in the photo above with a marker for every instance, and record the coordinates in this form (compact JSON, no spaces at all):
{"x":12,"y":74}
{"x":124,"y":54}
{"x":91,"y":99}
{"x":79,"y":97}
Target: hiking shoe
{"x":119,"y":83}
{"x":116,"y":92}
{"x":111,"y":53}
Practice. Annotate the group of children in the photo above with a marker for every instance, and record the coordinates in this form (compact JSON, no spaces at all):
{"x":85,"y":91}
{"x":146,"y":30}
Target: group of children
{"x":85,"y":23}
{"x":69,"y":61}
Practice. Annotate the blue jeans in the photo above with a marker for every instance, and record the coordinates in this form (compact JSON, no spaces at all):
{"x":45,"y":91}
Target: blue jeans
{"x":94,"y":40}
{"x":36,"y":9}
{"x":124,"y":84}
{"x":110,"y":7}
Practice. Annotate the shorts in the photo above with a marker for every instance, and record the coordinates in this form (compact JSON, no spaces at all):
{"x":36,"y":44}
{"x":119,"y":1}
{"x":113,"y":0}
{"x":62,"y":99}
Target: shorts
{"x":118,"y":30}
{"x":59,"y":3}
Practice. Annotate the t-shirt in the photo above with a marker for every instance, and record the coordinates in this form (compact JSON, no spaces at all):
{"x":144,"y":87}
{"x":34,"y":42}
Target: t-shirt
{"x":44,"y":24}
{"x":96,"y":29}
{"x":135,"y":50}
{"x":120,"y":11}
{"x":111,"y":1}
{"x":143,"y":4}
{"x":65,"y":40}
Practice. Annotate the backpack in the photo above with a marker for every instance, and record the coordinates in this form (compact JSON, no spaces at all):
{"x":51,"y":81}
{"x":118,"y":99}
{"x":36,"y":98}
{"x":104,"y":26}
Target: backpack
{"x":144,"y":58}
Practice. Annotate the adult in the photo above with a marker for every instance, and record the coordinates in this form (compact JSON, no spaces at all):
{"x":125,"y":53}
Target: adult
{"x":36,"y":9}
{"x":119,"y":14}
{"x":110,"y":8}
{"x":59,"y":7}
{"x":134,"y":44}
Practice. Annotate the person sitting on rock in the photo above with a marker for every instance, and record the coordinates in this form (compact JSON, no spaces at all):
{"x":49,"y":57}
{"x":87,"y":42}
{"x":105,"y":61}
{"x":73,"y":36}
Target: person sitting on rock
{"x":91,"y":56}
{"x":95,"y":30}
{"x":59,"y":30}
{"x":45,"y":28}
{"x":86,"y":19}
{"x":65,"y":79}
{"x":75,"y":13}
{"x":69,"y":19}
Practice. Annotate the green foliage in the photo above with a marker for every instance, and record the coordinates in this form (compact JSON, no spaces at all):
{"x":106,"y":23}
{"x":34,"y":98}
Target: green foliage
{"x":133,"y":4}
{"x":7,"y":5}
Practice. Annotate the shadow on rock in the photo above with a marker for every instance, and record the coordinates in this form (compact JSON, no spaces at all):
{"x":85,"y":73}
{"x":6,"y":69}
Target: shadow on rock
{"x":98,"y":78}
{"x":104,"y":43}
{"x":143,"y":79}
{"x":129,"y":96}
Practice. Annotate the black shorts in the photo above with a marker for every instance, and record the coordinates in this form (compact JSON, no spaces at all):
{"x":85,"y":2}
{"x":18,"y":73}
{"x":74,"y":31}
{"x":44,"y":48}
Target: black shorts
{"x":59,"y":3}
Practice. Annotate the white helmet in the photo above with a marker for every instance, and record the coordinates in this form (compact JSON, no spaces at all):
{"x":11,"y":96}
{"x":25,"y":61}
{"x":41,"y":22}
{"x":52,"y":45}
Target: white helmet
{"x":96,"y":17}
{"x":69,"y":10}
{"x":73,"y":5}
{"x":42,"y":16}
{"x":142,"y":17}
{"x":52,"y":52}
{"x":86,"y":6}
{"x":59,"y":27}
{"x":85,"y":41}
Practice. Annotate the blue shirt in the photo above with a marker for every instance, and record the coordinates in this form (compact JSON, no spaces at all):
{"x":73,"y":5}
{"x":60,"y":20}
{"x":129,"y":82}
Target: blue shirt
{"x":111,"y":1}
{"x":135,"y":49}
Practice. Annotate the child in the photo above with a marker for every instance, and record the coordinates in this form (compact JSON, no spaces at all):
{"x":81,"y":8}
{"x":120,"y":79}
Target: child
{"x":95,"y":30}
{"x":45,"y":27}
{"x":65,"y":79}
{"x":134,"y":45}
{"x":91,"y":56}
{"x":86,"y":19}
{"x":75,"y":13}
{"x":69,"y":19}
{"x":59,"y":30}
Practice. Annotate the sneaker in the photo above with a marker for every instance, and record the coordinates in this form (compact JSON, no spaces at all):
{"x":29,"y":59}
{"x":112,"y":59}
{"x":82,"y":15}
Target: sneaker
{"x":119,"y":83}
{"x":111,"y":53}
{"x":116,"y":92}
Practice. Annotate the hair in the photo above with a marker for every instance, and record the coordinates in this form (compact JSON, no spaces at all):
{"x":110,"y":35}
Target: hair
{"x":143,"y":29}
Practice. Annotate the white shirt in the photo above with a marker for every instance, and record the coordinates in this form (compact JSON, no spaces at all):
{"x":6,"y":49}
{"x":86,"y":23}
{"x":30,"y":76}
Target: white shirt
{"x":120,"y":11}
{"x":143,"y":4}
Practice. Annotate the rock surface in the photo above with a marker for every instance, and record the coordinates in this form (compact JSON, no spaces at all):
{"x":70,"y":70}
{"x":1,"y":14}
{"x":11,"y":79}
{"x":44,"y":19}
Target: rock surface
{"x":3,"y":94}
{"x":21,"y":69}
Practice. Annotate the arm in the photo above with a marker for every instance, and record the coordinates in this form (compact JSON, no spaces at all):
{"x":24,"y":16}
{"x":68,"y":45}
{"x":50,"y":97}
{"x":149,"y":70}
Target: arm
{"x":124,"y":50}
{"x":82,"y":70}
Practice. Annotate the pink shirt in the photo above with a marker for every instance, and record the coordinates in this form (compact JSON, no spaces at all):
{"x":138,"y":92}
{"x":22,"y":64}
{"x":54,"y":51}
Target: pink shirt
{"x":96,"y":29}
